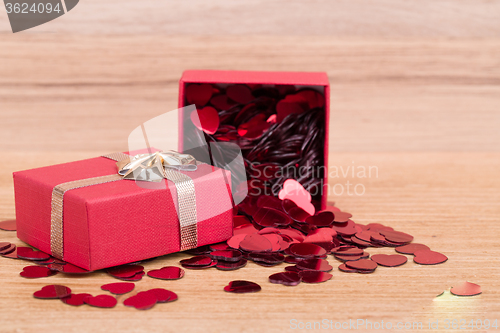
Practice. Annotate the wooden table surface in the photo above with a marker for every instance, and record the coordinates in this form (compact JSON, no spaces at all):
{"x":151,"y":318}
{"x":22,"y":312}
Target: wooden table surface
{"x":415,"y":92}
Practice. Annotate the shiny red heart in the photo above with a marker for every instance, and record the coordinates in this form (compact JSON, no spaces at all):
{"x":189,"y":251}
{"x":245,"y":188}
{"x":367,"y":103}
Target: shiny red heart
{"x":101,"y":301}
{"x":466,"y":289}
{"x":75,"y":299}
{"x":163,"y":295}
{"x":53,"y":291}
{"x":389,"y":260}
{"x":241,"y":286}
{"x":288,"y":278}
{"x":119,"y":288}
{"x":34,"y":272}
{"x":167,"y":273}
{"x":142,"y":301}
{"x":24,"y":252}
{"x":198,"y":94}
{"x":290,"y":105}
{"x":9,"y":225}
{"x":239,"y":93}
{"x":428,"y":257}
{"x":308,"y":276}
{"x":206,"y":119}
{"x":125,"y":271}
{"x":255,"y":127}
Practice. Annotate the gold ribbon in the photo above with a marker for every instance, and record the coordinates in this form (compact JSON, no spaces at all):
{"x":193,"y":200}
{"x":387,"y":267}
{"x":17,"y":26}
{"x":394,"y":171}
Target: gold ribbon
{"x":146,"y":167}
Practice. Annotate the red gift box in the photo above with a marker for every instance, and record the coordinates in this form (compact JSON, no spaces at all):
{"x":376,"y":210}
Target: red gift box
{"x":117,"y":222}
{"x":222,"y":80}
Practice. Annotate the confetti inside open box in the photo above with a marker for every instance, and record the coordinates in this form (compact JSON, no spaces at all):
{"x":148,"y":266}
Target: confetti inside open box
{"x":278,"y":119}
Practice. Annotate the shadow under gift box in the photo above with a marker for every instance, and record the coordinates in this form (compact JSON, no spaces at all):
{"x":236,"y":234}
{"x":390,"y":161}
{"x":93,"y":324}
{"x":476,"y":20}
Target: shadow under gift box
{"x":118,"y":222}
{"x":221,"y":80}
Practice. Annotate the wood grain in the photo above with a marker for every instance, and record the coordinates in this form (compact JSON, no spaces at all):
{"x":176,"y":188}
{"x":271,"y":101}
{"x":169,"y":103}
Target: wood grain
{"x":415,"y":92}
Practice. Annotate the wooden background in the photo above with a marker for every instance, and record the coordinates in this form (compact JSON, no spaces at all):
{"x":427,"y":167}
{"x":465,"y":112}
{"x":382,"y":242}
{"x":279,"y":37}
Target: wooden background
{"x":415,"y":91}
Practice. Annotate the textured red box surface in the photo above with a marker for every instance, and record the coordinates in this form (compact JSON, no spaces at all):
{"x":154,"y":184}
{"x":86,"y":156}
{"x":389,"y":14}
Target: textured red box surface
{"x":118,"y":222}
{"x":317,"y":80}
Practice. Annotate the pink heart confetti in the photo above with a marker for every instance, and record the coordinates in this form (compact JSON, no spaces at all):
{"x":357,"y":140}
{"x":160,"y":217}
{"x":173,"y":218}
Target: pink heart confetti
{"x":294,"y":191}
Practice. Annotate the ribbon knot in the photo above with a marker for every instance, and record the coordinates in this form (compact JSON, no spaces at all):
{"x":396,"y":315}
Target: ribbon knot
{"x":153,"y":167}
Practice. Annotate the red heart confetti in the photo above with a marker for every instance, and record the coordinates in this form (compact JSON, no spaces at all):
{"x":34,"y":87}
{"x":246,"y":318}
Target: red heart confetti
{"x":199,"y":94}
{"x":101,"y":301}
{"x":314,"y":276}
{"x":53,"y":291}
{"x":213,"y":263}
{"x":268,"y":217}
{"x":30,"y":254}
{"x":287,"y":106}
{"x":33,"y":272}
{"x":428,"y":257}
{"x":136,"y":277}
{"x":322,"y":219}
{"x":307,"y":250}
{"x":466,"y":289}
{"x":4,"y":246}
{"x":267,"y":258}
{"x":298,"y":214}
{"x":315,"y":264}
{"x":256,"y":243}
{"x":314,"y":98}
{"x":206,"y":119}
{"x":75,"y":299}
{"x":391,"y":260}
{"x":221,"y":102}
{"x":411,"y":248}
{"x":167,"y":273}
{"x":230,"y":266}
{"x":242,"y":287}
{"x":346,"y":269}
{"x":396,"y":236}
{"x":9,"y":225}
{"x":8,"y":250}
{"x":235,"y":241}
{"x":142,"y":301}
{"x":239,"y":93}
{"x":254,"y":128}
{"x":163,"y":295}
{"x":362,"y":264}
{"x":197,"y":261}
{"x":125,"y":271}
{"x":119,"y":288}
{"x":226,"y":255}
{"x":285,"y":278}
{"x":341,"y":217}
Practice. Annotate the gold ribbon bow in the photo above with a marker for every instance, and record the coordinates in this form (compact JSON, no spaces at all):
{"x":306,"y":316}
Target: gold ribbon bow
{"x":152,"y":167}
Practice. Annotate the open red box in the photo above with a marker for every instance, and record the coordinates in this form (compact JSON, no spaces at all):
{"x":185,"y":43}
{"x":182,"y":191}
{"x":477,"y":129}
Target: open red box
{"x":286,"y":83}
